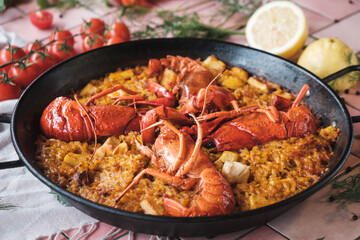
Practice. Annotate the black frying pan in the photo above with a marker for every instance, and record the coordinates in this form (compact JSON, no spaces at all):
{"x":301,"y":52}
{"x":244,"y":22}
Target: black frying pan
{"x":76,"y":72}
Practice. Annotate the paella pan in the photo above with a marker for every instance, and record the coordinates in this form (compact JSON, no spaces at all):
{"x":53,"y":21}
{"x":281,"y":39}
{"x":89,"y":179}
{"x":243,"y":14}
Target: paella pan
{"x":25,"y":124}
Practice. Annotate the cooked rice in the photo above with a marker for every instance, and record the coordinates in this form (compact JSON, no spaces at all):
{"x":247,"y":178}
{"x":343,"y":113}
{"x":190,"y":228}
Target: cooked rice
{"x":278,"y":169}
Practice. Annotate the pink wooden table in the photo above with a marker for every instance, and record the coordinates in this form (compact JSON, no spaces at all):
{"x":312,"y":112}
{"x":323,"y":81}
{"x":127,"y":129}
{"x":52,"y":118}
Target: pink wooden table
{"x":316,"y":217}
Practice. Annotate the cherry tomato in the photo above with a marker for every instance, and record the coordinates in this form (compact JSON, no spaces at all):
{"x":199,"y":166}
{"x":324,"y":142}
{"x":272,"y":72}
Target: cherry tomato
{"x":43,"y":60}
{"x":61,"y":35}
{"x":118,"y":29}
{"x":8,"y":91}
{"x":114,"y":40}
{"x":94,"y":26}
{"x":92,"y":42}
{"x":132,"y":2}
{"x":61,"y":51}
{"x":8,"y":54}
{"x":41,"y":19}
{"x":23,"y":74}
{"x":34,"y":46}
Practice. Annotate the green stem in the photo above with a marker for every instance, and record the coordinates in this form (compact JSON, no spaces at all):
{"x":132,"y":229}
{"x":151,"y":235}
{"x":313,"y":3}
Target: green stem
{"x":222,"y":30}
{"x":226,"y":19}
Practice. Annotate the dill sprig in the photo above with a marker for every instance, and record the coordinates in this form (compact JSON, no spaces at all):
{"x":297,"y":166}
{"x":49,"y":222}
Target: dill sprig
{"x":67,"y":4}
{"x":187,"y":25}
{"x":358,"y":56}
{"x":60,"y":199}
{"x":353,"y":77}
{"x":133,"y":11}
{"x":347,"y":190}
{"x":181,"y":22}
{"x":228,"y":8}
{"x":7,"y":206}
{"x":63,"y":5}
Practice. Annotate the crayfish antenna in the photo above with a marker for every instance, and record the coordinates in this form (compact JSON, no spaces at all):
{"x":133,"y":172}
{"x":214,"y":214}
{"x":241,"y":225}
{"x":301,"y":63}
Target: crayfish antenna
{"x":207,"y":88}
{"x":301,"y":95}
{"x":231,"y":113}
{"x":271,"y":112}
{"x":161,"y":122}
{"x":129,"y":97}
{"x":108,"y":91}
{"x":190,"y":163}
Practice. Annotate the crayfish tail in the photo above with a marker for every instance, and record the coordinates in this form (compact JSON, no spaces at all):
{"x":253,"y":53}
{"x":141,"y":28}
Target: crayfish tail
{"x":175,"y":209}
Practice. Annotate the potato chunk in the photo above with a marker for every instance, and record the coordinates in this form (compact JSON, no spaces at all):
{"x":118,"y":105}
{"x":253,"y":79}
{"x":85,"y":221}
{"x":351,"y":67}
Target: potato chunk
{"x":74,"y":159}
{"x":258,"y":84}
{"x":168,"y":79}
{"x":216,"y":66}
{"x":108,"y":147}
{"x":126,"y":74}
{"x":236,"y":172}
{"x":234,"y":78}
{"x":228,"y":156}
{"x":148,"y":207}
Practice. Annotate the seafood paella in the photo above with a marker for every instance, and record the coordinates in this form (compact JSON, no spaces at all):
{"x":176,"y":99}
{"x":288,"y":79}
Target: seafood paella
{"x":183,"y":137}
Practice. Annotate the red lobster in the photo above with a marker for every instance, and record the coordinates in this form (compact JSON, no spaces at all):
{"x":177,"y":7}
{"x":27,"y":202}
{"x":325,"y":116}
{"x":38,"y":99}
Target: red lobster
{"x":69,"y":120}
{"x":195,"y":81}
{"x":183,"y":164}
{"x":281,"y":120}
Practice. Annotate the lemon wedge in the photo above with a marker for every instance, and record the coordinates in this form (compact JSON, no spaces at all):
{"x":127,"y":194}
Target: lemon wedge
{"x":278,"y":27}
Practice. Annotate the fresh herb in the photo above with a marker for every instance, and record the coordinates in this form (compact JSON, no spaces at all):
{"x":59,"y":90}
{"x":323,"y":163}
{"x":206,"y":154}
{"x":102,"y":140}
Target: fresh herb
{"x":348,"y":57}
{"x":60,"y":199}
{"x":358,"y":56}
{"x":67,"y":4}
{"x":183,"y":26}
{"x":357,"y":137}
{"x":7,"y":206}
{"x":63,"y":5}
{"x":347,"y":190}
{"x":228,"y":8}
{"x":353,"y":77}
{"x":320,"y":238}
{"x":60,"y":4}
{"x":133,"y":12}
{"x":43,"y":4}
{"x":181,"y":22}
{"x":107,"y":3}
{"x":4,"y":4}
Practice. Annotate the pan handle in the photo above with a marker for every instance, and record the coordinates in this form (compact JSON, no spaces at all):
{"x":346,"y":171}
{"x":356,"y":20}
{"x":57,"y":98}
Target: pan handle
{"x":9,"y":164}
{"x":355,"y":119}
{"x":5,"y":119}
{"x":341,"y":73}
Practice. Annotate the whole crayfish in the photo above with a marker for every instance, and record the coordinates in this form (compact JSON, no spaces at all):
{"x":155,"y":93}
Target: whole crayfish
{"x":282,"y":120}
{"x":180,"y":161}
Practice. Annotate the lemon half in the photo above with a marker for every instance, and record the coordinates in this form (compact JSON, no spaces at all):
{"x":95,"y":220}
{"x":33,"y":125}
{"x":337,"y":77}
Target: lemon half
{"x":278,"y":27}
